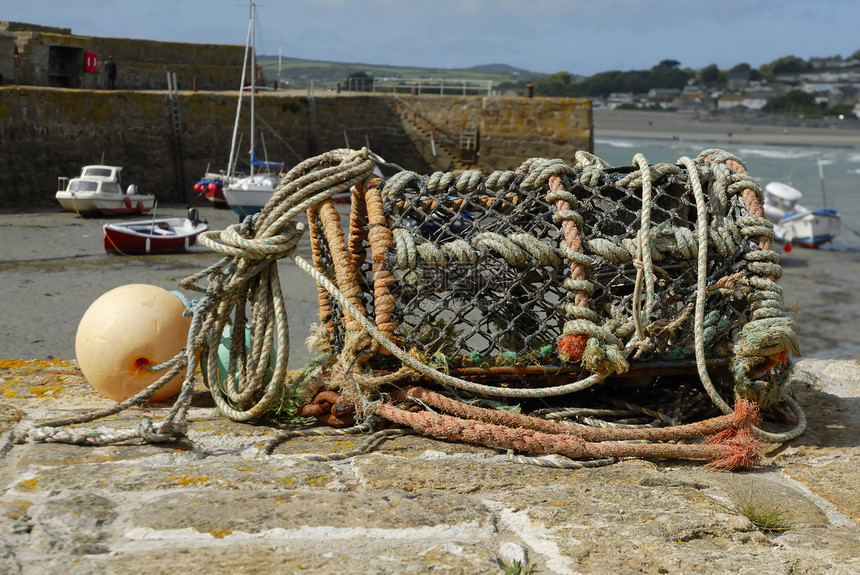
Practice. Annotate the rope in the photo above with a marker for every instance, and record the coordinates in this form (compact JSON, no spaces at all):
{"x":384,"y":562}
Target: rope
{"x":644,"y":266}
{"x":246,"y":276}
{"x":701,"y":294}
{"x":745,"y":415}
{"x":731,"y":450}
{"x":582,"y":339}
{"x":369,"y":444}
{"x":514,"y":248}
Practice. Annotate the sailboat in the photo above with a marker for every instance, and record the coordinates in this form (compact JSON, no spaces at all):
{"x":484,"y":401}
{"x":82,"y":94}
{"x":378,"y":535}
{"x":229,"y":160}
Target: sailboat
{"x":247,"y":195}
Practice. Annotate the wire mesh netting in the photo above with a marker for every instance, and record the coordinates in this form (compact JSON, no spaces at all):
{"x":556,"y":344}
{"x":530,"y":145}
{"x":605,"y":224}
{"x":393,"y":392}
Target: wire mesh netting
{"x":480,"y":273}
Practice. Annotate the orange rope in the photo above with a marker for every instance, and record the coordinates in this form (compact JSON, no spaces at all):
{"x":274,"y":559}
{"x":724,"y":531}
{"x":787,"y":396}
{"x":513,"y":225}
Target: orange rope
{"x":345,"y":276}
{"x":745,"y":415}
{"x":358,"y":226}
{"x":733,"y":451}
{"x":571,"y":346}
{"x":750,"y":199}
{"x":381,"y":241}
{"x":326,"y":313}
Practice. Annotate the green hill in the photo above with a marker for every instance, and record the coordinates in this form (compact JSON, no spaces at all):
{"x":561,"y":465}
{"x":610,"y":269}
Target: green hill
{"x":298,"y":74}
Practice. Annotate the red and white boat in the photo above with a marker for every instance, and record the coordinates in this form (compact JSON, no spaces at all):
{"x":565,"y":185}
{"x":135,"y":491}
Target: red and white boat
{"x":98,"y":192}
{"x":154,"y":236}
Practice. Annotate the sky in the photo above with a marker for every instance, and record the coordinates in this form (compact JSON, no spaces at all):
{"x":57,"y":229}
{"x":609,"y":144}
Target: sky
{"x":547,"y":36}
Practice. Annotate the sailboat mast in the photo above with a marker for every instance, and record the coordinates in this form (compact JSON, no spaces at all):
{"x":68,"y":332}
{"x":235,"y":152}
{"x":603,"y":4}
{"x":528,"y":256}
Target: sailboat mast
{"x":232,"y":164}
{"x":253,"y":80}
{"x":821,"y":177}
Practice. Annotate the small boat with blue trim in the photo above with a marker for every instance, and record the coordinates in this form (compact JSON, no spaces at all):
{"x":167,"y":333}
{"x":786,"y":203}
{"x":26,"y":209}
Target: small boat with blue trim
{"x":794,"y":224}
{"x":211,"y":187}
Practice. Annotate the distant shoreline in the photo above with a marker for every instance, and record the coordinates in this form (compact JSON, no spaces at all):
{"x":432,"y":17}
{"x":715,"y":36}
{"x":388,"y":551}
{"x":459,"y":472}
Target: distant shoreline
{"x":693,"y":126}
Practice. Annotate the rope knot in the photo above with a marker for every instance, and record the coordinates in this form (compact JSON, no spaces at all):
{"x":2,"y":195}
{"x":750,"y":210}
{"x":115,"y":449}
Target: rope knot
{"x":234,"y":241}
{"x":163,"y":433}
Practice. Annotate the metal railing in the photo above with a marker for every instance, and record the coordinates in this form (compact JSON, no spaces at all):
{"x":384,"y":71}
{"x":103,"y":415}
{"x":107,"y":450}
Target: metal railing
{"x":420,"y":86}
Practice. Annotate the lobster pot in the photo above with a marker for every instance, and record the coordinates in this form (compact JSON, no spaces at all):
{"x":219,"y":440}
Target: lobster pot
{"x":548,"y":267}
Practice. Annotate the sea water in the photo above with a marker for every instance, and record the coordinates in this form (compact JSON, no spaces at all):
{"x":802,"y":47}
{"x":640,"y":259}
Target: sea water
{"x":826,"y":176}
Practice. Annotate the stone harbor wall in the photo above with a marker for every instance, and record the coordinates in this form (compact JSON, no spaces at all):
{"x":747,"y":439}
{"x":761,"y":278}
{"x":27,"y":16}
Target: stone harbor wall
{"x":215,"y":504}
{"x":47,"y":133}
{"x":55,"y":57}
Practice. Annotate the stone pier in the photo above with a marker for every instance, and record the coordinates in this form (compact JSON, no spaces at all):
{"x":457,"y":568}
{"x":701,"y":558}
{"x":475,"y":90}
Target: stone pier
{"x":214,"y":503}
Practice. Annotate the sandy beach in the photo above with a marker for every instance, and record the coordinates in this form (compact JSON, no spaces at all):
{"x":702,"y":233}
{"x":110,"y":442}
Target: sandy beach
{"x":720,"y":128}
{"x":54,"y":266}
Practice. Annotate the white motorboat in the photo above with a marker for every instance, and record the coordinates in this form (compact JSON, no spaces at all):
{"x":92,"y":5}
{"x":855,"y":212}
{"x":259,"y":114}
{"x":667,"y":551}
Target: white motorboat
{"x":98,"y":191}
{"x":794,"y":224}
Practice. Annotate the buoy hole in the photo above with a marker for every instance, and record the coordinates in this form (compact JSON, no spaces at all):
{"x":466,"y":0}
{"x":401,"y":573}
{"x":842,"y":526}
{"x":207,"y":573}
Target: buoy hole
{"x":141,"y":363}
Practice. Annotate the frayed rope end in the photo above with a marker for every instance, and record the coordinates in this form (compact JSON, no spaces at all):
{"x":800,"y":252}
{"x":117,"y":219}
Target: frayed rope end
{"x":740,"y":449}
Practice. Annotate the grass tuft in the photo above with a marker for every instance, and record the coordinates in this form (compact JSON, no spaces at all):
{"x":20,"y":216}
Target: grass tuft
{"x":766,"y":517}
{"x":517,"y":568}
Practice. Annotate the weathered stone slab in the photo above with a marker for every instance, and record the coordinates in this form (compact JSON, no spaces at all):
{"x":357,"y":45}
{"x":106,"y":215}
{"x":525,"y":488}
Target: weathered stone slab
{"x":309,"y":514}
{"x":170,"y":471}
{"x":214,"y":503}
{"x":836,"y":481}
{"x":371,"y":556}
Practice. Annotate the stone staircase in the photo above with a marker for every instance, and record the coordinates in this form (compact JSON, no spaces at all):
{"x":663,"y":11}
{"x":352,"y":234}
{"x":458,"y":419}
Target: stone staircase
{"x":441,"y":150}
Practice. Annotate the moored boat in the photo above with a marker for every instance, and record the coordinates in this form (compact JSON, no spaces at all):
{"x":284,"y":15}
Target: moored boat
{"x":154,"y":236}
{"x":794,"y":224}
{"x":211,"y":186}
{"x":98,"y":191}
{"x":247,"y":196}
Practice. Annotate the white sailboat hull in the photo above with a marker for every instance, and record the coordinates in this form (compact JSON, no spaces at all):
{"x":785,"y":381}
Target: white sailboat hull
{"x":247,"y":196}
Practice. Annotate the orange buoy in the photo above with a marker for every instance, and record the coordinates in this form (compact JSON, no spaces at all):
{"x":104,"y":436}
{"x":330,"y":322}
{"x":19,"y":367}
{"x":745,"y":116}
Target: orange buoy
{"x":126,"y":330}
